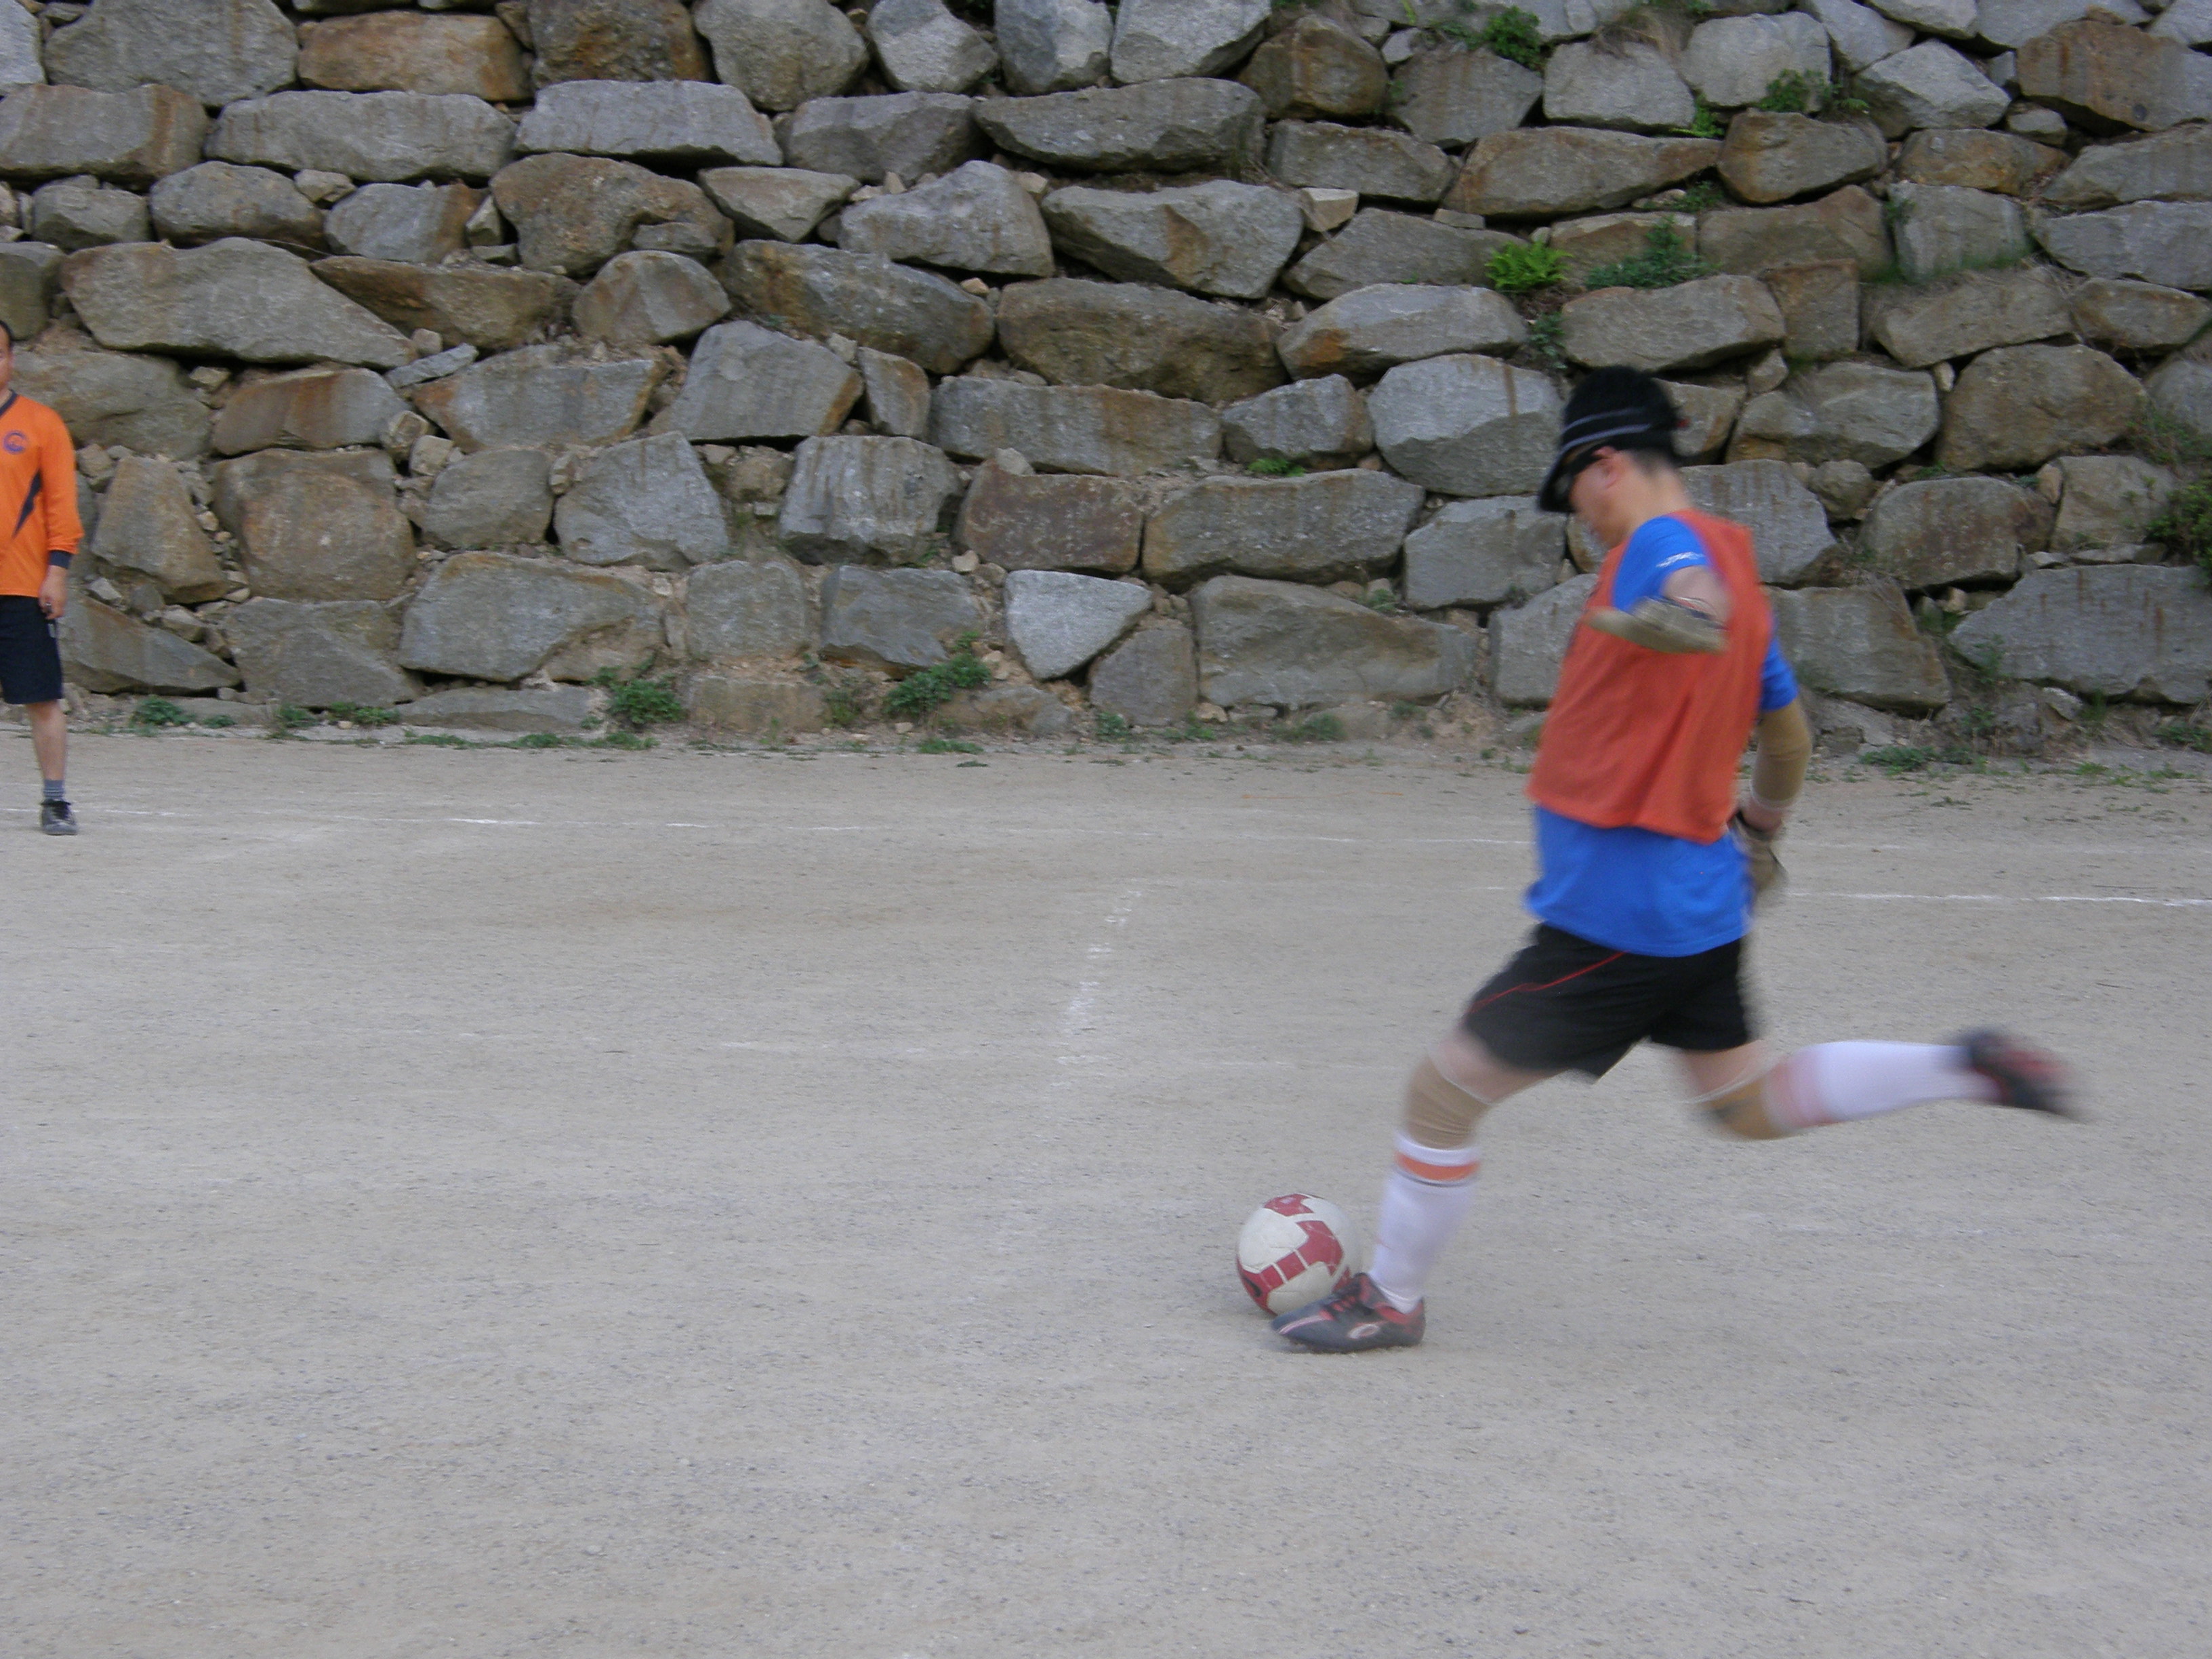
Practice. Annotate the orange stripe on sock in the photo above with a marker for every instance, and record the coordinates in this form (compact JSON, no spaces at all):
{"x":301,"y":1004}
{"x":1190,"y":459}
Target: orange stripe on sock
{"x":1442,"y":1172}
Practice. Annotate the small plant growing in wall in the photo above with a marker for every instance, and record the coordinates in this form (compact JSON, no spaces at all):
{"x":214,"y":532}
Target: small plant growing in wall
{"x":2185,"y":526}
{"x":1705,"y":124}
{"x":1275,"y":466}
{"x":637,"y":702}
{"x":927,"y":689}
{"x":1793,"y":92}
{"x":154,"y":712}
{"x":1666,"y":261}
{"x":1525,"y":267}
{"x":1514,"y":35}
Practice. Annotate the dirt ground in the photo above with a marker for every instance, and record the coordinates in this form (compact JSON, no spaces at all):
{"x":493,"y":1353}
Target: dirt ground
{"x":687,"y":1204}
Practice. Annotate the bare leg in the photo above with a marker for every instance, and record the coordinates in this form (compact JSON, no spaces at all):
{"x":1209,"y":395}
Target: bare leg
{"x":49,"y":737}
{"x":1731,"y":1085}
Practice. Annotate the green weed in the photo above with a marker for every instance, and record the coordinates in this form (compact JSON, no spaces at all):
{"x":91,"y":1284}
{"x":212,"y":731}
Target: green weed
{"x":1526,"y":268}
{"x":621,"y":740}
{"x":361,"y":713}
{"x":1544,"y":335}
{"x":1793,"y":92}
{"x":1705,"y":124}
{"x":1513,"y":34}
{"x":539,"y":740}
{"x":1898,"y":758}
{"x":947,"y":746}
{"x":2186,"y":734}
{"x":1315,"y":728}
{"x":218,"y":720}
{"x":2158,"y":437}
{"x":1701,"y":198}
{"x":290,"y":717}
{"x":1384,"y":599}
{"x":1113,"y":727}
{"x":842,"y":700}
{"x":1275,"y":466}
{"x":638,"y":703}
{"x":2185,"y":526}
{"x":1666,"y":261}
{"x":438,"y":740}
{"x":925,"y":690}
{"x":154,"y":712}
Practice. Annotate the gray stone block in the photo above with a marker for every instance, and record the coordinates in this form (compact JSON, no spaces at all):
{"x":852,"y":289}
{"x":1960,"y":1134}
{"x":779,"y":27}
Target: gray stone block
{"x":144,"y":404}
{"x":1071,"y":428}
{"x":1376,"y":328}
{"x":684,"y":122}
{"x":307,"y":408}
{"x":1467,"y":425}
{"x":923,"y":48}
{"x":2018,"y":406}
{"x":147,"y":528}
{"x":103,"y":650}
{"x":895,"y":618}
{"x":1940,"y":531}
{"x":1160,"y":40}
{"x":1327,"y":527}
{"x":540,"y":396}
{"x":1217,"y":238}
{"x":1138,"y":338}
{"x":852,"y":499}
{"x":389,"y":137}
{"x":1860,"y":412}
{"x":782,"y":52}
{"x":1501,"y":550}
{"x":2120,"y":630}
{"x":645,"y":502}
{"x":649,"y":299}
{"x":1299,"y":647}
{"x":494,"y":617}
{"x":215,"y":199}
{"x":977,"y":217}
{"x":563,"y":710}
{"x":741,"y":608}
{"x":785,"y":202}
{"x":81,"y":212}
{"x":1323,"y":422}
{"x":316,"y":525}
{"x":217,"y":51}
{"x":1382,"y":248}
{"x":1058,"y":621}
{"x":1372,"y":160}
{"x":1050,"y":521}
{"x":1052,"y":45}
{"x":230,"y":299}
{"x":1861,"y":644}
{"x":315,"y":655}
{"x":1151,"y":678}
{"x":824,"y":291}
{"x":494,"y":498}
{"x":1540,"y":173}
{"x":1528,"y":642}
{"x":2166,"y":242}
{"x":1966,"y":313}
{"x":909,"y":133}
{"x":747,"y":382}
{"x":1164,"y":126}
{"x":415,"y":224}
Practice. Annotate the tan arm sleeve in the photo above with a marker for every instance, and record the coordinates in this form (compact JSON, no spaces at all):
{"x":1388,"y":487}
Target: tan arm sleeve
{"x":1785,"y":749}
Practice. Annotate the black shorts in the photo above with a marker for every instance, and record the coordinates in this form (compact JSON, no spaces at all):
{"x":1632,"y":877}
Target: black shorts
{"x":1565,"y":1004}
{"x":30,"y":655}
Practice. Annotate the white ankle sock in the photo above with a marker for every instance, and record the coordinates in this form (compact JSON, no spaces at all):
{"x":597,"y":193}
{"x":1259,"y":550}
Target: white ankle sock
{"x":1838,"y":1082}
{"x":1423,"y":1201}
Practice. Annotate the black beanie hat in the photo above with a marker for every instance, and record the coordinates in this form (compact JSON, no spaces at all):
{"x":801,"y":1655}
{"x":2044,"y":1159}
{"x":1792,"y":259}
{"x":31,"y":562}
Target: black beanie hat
{"x":1620,"y":408}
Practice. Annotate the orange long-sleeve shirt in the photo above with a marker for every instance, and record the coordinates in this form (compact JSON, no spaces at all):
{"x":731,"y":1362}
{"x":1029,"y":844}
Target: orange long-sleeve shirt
{"x":37,"y":493}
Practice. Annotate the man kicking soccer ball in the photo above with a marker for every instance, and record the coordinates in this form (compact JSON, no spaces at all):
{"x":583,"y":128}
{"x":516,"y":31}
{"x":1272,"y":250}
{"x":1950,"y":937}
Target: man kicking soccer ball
{"x":1648,"y":866}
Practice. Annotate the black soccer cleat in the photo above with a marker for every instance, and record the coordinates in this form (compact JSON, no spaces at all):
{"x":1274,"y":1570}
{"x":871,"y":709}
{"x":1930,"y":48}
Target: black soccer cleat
{"x":2033,"y":1080}
{"x":1352,"y":1321}
{"x":56,"y":818}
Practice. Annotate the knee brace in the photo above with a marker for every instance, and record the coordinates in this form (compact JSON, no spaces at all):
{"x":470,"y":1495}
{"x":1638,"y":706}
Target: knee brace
{"x":1741,"y":1109}
{"x":1438,"y":1112}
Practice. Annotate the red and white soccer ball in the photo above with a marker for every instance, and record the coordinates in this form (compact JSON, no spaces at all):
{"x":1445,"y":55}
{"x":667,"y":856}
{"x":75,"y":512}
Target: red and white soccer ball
{"x":1295,"y":1249}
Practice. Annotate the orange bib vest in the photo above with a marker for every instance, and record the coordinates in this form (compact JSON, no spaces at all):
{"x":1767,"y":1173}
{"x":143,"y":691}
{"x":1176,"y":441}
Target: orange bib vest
{"x":1651,"y":739}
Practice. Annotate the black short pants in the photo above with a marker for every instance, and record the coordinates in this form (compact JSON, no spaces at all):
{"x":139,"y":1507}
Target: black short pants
{"x":1565,"y":1004}
{"x":30,"y":655}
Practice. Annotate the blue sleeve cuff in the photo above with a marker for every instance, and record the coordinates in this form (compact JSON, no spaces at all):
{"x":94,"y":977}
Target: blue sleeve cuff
{"x":58,"y":560}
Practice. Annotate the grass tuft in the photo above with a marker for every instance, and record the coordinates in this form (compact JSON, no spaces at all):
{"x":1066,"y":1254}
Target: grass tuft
{"x":1526,"y":268}
{"x":1666,"y":259}
{"x":637,"y":702}
{"x":927,"y":689}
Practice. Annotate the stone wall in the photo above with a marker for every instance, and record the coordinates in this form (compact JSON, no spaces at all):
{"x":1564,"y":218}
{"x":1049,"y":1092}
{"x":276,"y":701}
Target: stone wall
{"x":444,"y":357}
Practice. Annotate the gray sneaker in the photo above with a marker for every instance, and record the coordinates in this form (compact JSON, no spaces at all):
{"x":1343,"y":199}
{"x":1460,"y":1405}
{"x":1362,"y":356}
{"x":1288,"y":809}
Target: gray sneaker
{"x":56,"y":818}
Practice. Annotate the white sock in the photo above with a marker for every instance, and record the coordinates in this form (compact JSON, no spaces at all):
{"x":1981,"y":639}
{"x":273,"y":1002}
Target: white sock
{"x":1423,"y":1201}
{"x":1838,"y":1082}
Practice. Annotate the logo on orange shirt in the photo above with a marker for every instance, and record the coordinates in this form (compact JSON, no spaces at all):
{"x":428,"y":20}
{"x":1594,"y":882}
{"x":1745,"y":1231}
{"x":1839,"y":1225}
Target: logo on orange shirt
{"x":15,"y":443}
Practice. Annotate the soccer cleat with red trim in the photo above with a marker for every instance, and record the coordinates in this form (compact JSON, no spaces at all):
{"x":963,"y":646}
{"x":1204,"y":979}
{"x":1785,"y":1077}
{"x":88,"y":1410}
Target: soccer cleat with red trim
{"x":1352,"y":1321}
{"x":2033,"y":1080}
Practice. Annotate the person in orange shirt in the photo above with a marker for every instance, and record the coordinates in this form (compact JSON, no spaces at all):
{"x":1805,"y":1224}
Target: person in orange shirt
{"x":38,"y":491}
{"x":1648,"y":864}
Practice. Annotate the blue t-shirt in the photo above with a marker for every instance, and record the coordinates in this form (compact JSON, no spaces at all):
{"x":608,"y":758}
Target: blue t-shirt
{"x":1636,"y":890}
